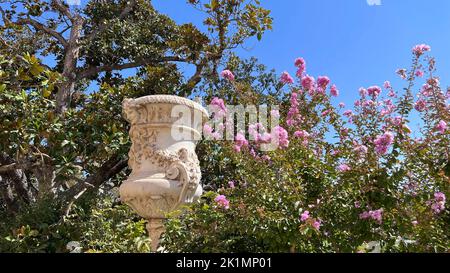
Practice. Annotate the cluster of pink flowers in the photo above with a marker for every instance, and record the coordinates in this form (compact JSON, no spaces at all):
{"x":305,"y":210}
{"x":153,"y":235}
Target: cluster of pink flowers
{"x":301,"y":65}
{"x":334,"y":91}
{"x":222,"y":201}
{"x":344,"y":168}
{"x":218,"y":107}
{"x":374,"y":91}
{"x":442,"y":127}
{"x":376,"y":215}
{"x":240,"y":141}
{"x":316,"y":223}
{"x":322,"y":84}
{"x":293,"y":114}
{"x":383,"y":142}
{"x":421,"y":105}
{"x":208,"y":132}
{"x":281,"y":136}
{"x":419,"y":73}
{"x":227,"y":74}
{"x":418,"y":50}
{"x":308,"y":83}
{"x":286,"y":78}
{"x":439,"y":202}
{"x":302,"y":135}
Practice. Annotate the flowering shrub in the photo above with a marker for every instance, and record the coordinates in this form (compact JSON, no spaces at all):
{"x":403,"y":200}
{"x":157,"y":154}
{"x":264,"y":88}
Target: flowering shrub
{"x":374,"y":181}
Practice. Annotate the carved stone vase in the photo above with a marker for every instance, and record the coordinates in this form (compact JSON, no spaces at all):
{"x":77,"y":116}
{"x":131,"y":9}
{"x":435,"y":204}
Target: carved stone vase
{"x":165,"y":169}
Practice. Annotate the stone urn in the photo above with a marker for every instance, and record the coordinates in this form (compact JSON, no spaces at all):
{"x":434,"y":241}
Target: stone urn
{"x":165,"y":169}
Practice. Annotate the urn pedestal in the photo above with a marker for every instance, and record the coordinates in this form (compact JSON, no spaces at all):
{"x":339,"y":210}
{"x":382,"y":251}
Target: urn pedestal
{"x":165,"y":169}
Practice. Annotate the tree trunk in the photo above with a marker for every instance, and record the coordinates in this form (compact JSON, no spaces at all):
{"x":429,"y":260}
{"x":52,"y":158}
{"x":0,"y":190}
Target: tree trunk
{"x":72,"y":52}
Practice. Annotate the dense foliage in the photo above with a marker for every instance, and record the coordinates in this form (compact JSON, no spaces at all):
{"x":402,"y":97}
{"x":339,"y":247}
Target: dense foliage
{"x":341,"y":180}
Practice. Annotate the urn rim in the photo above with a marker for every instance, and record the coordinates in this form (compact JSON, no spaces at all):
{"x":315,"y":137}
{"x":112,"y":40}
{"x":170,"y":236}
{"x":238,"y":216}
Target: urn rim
{"x":170,"y":99}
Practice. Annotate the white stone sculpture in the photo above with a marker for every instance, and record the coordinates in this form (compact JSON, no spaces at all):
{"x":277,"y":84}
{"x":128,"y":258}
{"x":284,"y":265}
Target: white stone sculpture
{"x":165,"y":169}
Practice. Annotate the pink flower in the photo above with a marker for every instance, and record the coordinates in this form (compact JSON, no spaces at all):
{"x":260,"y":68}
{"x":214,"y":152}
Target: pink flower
{"x":383,"y":142}
{"x":387,"y":85}
{"x":442,"y":126}
{"x":415,"y":223}
{"x":301,"y":65}
{"x":286,"y":78}
{"x":218,"y":107}
{"x":438,"y":204}
{"x":227,"y":74}
{"x":316,"y":224}
{"x":348,"y":113}
{"x":281,"y":135}
{"x":326,"y":112}
{"x":344,"y":168}
{"x":231,"y":184}
{"x":419,"y":73}
{"x":222,"y":201}
{"x":420,"y":105}
{"x":334,"y":91}
{"x":293,"y":110}
{"x":362,"y":92}
{"x":341,"y":105}
{"x":323,"y":81}
{"x":357,"y":204}
{"x":418,"y":50}
{"x":275,"y":113}
{"x":304,"y":216}
{"x":374,"y":91}
{"x":240,"y":142}
{"x":300,"y":62}
{"x":207,"y":130}
{"x":376,"y":215}
{"x":308,"y":82}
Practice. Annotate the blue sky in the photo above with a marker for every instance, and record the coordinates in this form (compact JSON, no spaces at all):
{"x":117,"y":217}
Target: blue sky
{"x":352,"y":42}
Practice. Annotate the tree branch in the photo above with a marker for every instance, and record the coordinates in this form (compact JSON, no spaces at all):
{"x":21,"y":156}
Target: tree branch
{"x":91,"y":71}
{"x":107,"y":171}
{"x":59,"y":6}
{"x":43,"y":28}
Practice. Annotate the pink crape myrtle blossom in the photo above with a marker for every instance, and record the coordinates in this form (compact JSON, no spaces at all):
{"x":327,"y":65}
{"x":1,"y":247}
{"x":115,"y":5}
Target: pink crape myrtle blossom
{"x":301,"y":65}
{"x":227,"y":74}
{"x":376,"y":215}
{"x":240,"y":141}
{"x":218,"y":107}
{"x":302,"y":135}
{"x":286,"y":78}
{"x":308,"y":83}
{"x":222,"y":201}
{"x":341,"y":105}
{"x":421,"y":105}
{"x":383,"y":142}
{"x":438,"y":204}
{"x":344,"y":168}
{"x":374,"y":91}
{"x":418,"y":50}
{"x":322,"y":82}
{"x":304,"y":216}
{"x":442,"y":127}
{"x":334,"y":91}
{"x":316,"y":224}
{"x":293,"y":110}
{"x":281,"y":136}
{"x":419,"y":73}
{"x":275,"y":113}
